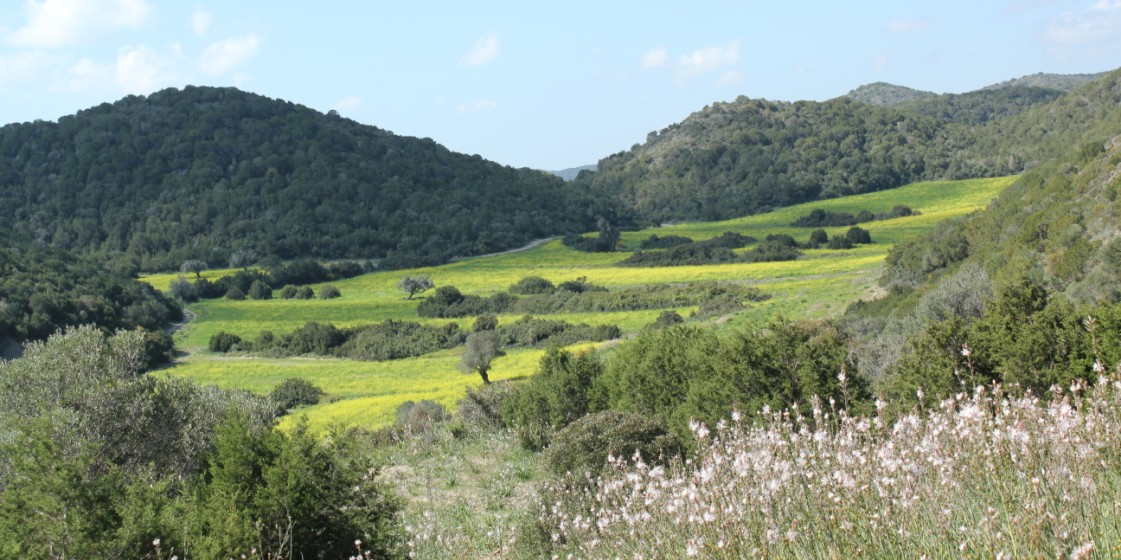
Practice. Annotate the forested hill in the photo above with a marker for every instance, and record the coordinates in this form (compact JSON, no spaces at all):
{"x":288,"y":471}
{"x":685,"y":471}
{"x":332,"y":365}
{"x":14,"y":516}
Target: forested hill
{"x":751,"y":155}
{"x":203,"y":172}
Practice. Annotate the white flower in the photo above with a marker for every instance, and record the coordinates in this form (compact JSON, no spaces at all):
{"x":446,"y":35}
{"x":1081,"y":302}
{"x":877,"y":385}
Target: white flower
{"x":965,"y":351}
{"x":156,"y":542}
{"x":1098,"y":367}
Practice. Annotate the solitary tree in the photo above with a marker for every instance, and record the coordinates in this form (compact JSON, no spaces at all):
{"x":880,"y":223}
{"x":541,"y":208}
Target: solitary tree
{"x":243,"y":258}
{"x":194,"y":265}
{"x":414,"y":285}
{"x":482,"y":348}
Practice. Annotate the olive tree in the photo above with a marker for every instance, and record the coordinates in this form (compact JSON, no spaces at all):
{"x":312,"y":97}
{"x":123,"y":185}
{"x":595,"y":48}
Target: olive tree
{"x":481,"y":349}
{"x":414,"y":285}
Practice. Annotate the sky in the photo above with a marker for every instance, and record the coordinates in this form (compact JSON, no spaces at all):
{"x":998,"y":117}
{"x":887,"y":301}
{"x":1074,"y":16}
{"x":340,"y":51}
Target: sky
{"x":547,"y":84}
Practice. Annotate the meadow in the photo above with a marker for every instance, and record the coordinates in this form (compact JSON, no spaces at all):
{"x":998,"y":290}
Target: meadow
{"x":819,"y":284}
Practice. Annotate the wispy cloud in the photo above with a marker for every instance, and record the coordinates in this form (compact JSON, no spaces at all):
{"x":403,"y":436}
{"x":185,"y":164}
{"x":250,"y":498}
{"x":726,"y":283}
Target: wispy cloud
{"x":710,"y":59}
{"x":902,"y":26}
{"x":23,"y":66}
{"x":881,"y":62}
{"x":1099,"y":21}
{"x":348,"y":103}
{"x":59,"y":23}
{"x":222,"y":56}
{"x":483,"y":52}
{"x":476,"y":107}
{"x":654,"y":58}
{"x":730,"y":78}
{"x":142,"y":69}
{"x":200,"y":21}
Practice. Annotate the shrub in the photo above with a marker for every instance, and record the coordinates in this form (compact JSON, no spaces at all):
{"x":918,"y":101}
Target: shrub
{"x":305,"y":292}
{"x":328,"y":291}
{"x":481,"y":409}
{"x":183,"y":290}
{"x":665,"y":242}
{"x":858,"y":236}
{"x":485,"y":322}
{"x":553,"y":398}
{"x":839,"y":242}
{"x":583,"y":447}
{"x":288,"y":291}
{"x":223,"y":342}
{"x":668,"y":318}
{"x":532,"y":285}
{"x":260,"y":290}
{"x":818,"y":237}
{"x":293,"y":392}
{"x":235,"y":294}
{"x":314,"y":338}
{"x":415,"y":418}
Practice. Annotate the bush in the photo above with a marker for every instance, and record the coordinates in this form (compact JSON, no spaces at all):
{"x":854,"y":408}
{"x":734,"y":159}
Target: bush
{"x":818,"y":237}
{"x":314,"y":338}
{"x":235,"y":294}
{"x":481,"y":409}
{"x":858,"y":236}
{"x":583,"y":447}
{"x":260,"y":290}
{"x":552,"y":398}
{"x":839,"y":242}
{"x":668,"y":318}
{"x":293,"y":392}
{"x":304,"y":292}
{"x":485,"y":322}
{"x":415,"y":418}
{"x":288,"y":291}
{"x":328,"y":291}
{"x":223,"y":342}
{"x":532,"y":285}
{"x":665,"y":242}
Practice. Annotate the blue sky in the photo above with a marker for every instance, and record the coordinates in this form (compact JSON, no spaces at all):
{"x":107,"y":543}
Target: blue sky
{"x":548,"y":85}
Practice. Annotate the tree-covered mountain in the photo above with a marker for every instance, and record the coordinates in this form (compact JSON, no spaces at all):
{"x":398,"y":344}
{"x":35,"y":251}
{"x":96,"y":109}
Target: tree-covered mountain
{"x":751,"y":155}
{"x":202,"y":172}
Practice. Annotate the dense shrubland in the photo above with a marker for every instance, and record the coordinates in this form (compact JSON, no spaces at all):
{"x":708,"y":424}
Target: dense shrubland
{"x":98,"y":460}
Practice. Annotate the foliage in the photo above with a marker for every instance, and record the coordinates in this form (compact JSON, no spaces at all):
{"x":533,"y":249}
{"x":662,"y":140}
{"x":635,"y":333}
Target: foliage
{"x":554,"y":397}
{"x":481,"y":348}
{"x":180,"y":173}
{"x":531,"y":285}
{"x":294,"y":391}
{"x":537,"y":332}
{"x":664,"y":242}
{"x":448,"y":301}
{"x":329,"y":291}
{"x":392,"y":340}
{"x":43,"y":290}
{"x":224,"y":342}
{"x":583,"y":447}
{"x":260,"y":290}
{"x":415,"y":418}
{"x":825,"y":218}
{"x":413,"y":285}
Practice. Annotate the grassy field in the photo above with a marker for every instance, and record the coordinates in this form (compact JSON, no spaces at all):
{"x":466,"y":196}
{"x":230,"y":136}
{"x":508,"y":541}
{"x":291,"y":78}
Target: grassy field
{"x":820,"y":284}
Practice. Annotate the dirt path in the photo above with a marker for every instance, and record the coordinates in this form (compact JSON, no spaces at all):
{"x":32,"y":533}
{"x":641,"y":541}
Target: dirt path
{"x":188,"y":316}
{"x":532,"y":244}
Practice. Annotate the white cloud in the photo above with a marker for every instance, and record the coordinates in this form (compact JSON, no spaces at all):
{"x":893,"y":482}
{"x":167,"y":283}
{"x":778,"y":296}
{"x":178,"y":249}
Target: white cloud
{"x":86,"y":76}
{"x":654,"y":58}
{"x":57,"y":23}
{"x":222,"y":56}
{"x":881,"y":62}
{"x":200,"y":22}
{"x":730,"y":78}
{"x":1101,"y":21}
{"x":476,"y":107}
{"x":348,"y":103}
{"x":707,"y":60}
{"x":901,"y":26}
{"x":142,"y":70}
{"x":24,"y":66}
{"x":484,"y":51}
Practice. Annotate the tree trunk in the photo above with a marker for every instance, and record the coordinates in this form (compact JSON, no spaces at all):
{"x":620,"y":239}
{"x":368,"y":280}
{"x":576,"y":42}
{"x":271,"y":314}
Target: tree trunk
{"x":483,"y":374}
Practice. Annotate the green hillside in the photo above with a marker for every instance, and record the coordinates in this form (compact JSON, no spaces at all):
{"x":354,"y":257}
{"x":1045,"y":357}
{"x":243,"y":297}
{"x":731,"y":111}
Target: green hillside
{"x":751,"y":155}
{"x":820,"y":284}
{"x":203,"y":172}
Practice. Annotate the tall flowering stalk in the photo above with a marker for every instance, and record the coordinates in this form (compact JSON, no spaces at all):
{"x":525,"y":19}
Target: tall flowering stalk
{"x":983,"y":474}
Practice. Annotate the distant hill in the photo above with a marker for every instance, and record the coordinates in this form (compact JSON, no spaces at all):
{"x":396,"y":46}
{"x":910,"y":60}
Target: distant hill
{"x":884,"y":94}
{"x":571,"y":173}
{"x":751,"y":155}
{"x":203,"y":172}
{"x":1060,"y":82}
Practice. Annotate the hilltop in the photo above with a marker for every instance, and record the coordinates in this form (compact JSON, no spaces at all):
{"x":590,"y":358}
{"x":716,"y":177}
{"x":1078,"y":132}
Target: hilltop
{"x":883,"y":93}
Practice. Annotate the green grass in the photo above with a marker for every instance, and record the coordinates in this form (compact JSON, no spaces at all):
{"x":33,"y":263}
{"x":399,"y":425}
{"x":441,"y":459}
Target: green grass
{"x":820,"y":284}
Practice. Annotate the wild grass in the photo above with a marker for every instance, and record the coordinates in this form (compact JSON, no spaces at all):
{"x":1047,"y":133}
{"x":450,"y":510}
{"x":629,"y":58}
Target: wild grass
{"x":820,"y":284}
{"x":981,"y":475}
